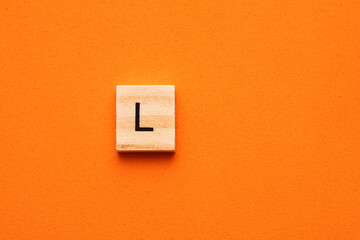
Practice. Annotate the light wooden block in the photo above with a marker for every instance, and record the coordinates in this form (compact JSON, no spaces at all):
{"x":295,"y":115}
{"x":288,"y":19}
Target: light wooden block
{"x":145,"y":118}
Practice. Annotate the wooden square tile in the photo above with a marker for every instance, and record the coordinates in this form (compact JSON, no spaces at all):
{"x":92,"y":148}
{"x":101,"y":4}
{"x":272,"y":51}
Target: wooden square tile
{"x":145,"y":118}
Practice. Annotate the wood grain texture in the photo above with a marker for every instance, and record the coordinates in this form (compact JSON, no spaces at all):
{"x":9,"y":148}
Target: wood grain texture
{"x":157,"y":111}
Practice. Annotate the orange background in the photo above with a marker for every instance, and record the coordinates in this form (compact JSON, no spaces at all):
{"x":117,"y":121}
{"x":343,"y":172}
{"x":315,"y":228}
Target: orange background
{"x":268,"y":120}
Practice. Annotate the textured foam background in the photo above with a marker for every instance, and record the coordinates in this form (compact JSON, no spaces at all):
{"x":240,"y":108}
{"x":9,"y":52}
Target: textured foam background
{"x":268,"y":120}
